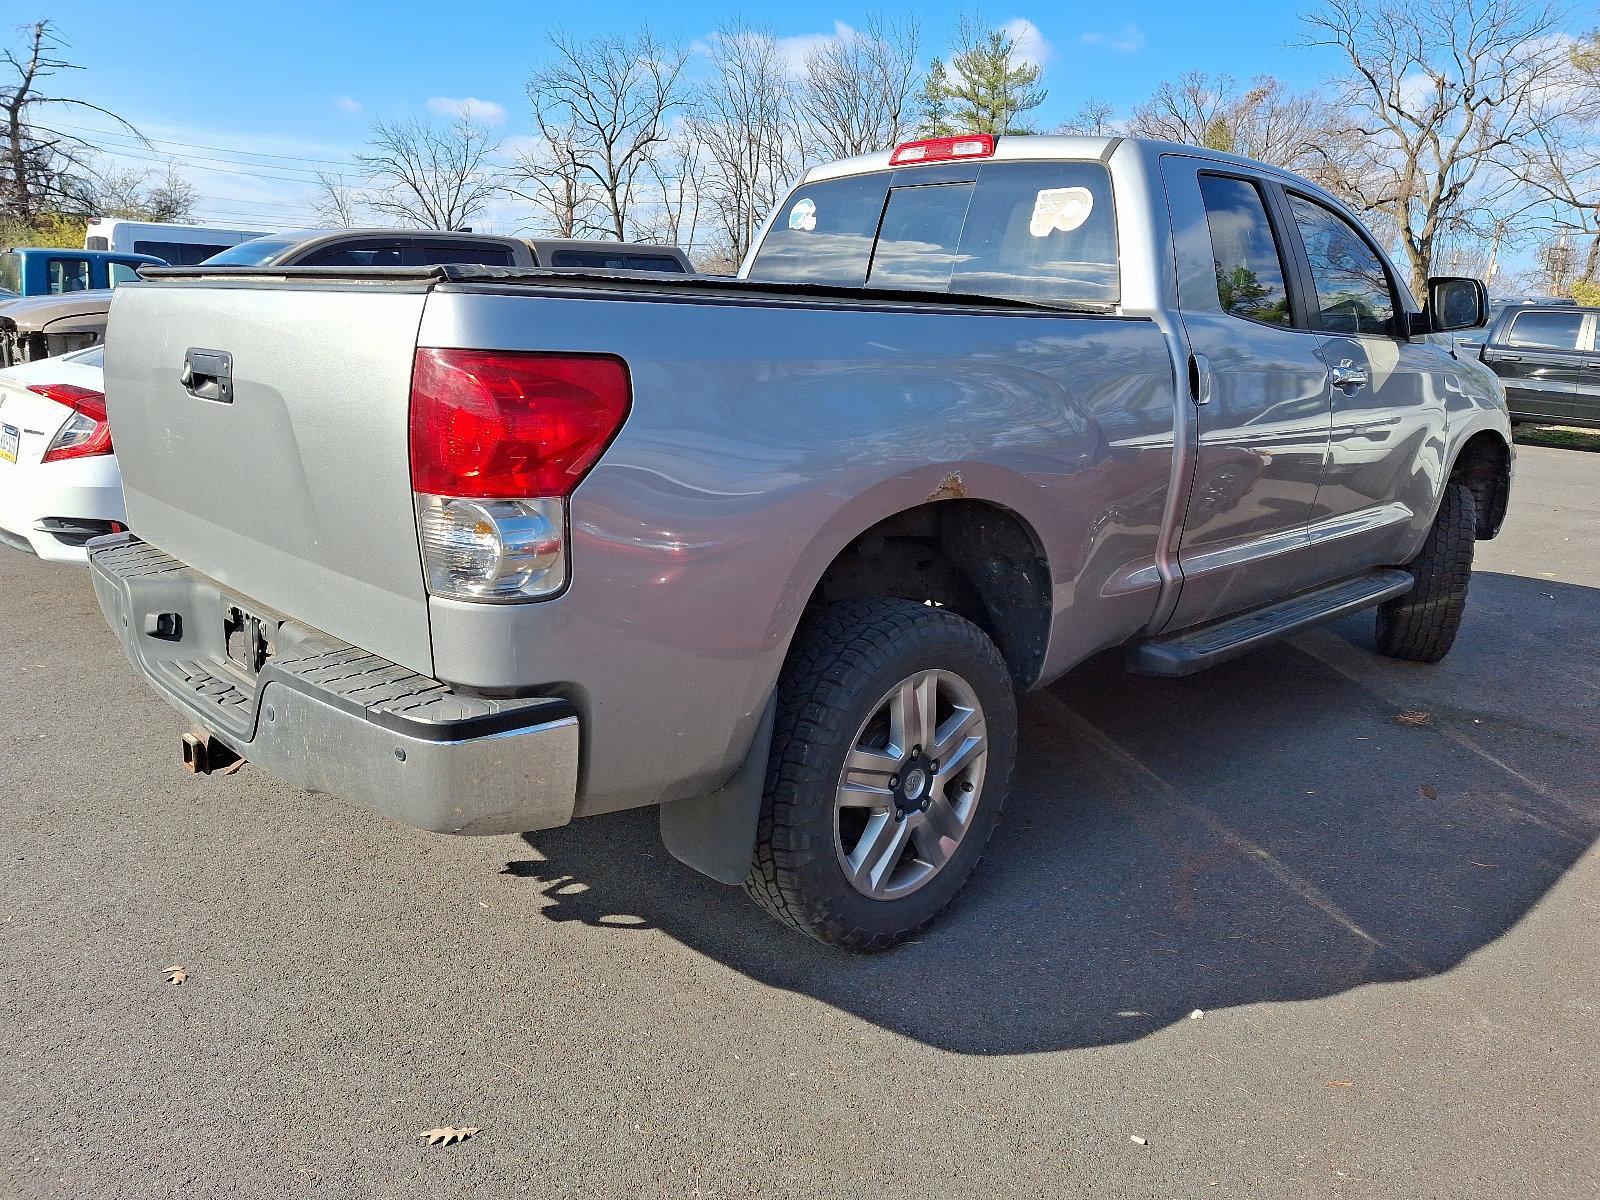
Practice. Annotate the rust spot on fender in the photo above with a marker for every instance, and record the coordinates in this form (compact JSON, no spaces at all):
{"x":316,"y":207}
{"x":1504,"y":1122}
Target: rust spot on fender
{"x":950,"y":488}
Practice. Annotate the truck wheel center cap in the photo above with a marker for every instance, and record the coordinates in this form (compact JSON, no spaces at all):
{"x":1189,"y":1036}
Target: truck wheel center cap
{"x":913,"y":783}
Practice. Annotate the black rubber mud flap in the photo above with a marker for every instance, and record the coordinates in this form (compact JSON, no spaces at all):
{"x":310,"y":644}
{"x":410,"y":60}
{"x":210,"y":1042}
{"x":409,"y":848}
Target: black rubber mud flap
{"x":716,"y":833}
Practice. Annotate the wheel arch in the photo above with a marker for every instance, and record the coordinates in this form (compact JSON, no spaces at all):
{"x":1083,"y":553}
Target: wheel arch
{"x":1483,"y":464}
{"x":978,"y":557}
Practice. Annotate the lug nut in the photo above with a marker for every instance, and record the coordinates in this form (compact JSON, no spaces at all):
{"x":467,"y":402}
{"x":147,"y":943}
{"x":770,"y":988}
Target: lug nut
{"x":915,"y":750}
{"x":925,"y":802}
{"x":894,"y":781}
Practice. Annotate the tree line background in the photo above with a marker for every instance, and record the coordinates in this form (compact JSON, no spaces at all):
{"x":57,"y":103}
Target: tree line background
{"x":1464,"y":131}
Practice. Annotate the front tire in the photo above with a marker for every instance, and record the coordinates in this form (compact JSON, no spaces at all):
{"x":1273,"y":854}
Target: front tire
{"x":1421,"y":626}
{"x":891,"y":755}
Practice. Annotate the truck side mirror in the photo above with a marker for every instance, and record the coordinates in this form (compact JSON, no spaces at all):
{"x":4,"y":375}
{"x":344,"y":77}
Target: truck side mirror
{"x":1455,"y":303}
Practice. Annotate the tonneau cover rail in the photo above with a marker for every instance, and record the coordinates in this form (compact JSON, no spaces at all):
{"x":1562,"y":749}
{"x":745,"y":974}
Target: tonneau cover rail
{"x":651,"y":282}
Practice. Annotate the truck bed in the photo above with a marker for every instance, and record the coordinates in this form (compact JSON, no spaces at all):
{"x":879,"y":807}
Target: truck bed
{"x":770,"y":425}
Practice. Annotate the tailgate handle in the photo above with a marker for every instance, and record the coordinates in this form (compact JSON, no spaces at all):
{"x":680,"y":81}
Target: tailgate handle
{"x":208,"y":374}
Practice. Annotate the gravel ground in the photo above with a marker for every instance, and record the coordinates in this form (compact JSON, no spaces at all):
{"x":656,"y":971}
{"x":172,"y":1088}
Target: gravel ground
{"x":1389,"y":922}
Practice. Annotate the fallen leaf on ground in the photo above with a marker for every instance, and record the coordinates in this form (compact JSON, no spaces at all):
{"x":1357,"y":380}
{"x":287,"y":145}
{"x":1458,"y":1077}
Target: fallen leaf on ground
{"x":1430,"y":792}
{"x":447,"y":1135}
{"x":1414,"y":718}
{"x":1338,"y":1083}
{"x":176,"y":974}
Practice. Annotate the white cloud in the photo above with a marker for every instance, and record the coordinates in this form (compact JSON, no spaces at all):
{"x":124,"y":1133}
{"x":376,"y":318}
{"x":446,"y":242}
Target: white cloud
{"x":1127,"y":41}
{"x":484,"y":112}
{"x":1031,"y":45}
{"x":793,"y":50}
{"x":347,"y":104}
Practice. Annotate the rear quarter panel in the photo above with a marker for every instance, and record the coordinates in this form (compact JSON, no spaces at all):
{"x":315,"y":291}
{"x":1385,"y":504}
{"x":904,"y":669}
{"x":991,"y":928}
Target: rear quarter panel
{"x":763,"y":438}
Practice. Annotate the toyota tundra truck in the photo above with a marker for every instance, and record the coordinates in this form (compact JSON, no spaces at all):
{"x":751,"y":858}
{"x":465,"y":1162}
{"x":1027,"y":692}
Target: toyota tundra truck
{"x":489,"y":549}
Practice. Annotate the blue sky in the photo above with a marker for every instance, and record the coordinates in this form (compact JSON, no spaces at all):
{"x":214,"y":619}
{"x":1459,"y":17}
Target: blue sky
{"x":227,"y":86}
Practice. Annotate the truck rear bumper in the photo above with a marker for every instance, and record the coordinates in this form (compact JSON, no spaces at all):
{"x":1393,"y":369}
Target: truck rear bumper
{"x":326,"y":717}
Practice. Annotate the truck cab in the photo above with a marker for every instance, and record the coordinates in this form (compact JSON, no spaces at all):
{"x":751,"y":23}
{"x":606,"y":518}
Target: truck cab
{"x":52,"y":271}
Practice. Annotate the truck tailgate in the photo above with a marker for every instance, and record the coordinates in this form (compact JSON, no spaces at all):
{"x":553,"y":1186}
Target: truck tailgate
{"x":294,"y":491}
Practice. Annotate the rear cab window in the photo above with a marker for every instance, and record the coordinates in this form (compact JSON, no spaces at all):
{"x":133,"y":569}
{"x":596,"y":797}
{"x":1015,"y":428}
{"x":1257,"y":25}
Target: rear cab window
{"x":606,"y":260}
{"x":1037,"y":231}
{"x":67,"y":275}
{"x":481,"y":254}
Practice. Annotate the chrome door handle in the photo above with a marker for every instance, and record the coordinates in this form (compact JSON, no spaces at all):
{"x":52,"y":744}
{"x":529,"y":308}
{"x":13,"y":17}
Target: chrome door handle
{"x":1347,"y":377}
{"x":1496,"y":356}
{"x":1593,"y":365}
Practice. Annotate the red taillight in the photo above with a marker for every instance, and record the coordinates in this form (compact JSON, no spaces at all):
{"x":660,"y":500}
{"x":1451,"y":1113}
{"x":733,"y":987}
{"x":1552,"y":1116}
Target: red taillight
{"x":970,"y":145}
{"x":87,"y":432}
{"x":492,"y":424}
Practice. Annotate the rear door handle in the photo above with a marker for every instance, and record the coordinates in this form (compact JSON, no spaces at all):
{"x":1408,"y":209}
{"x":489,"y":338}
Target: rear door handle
{"x":1200,"y":378}
{"x":1496,"y":356}
{"x":1593,"y":364}
{"x":208,"y":374}
{"x":1347,"y":377}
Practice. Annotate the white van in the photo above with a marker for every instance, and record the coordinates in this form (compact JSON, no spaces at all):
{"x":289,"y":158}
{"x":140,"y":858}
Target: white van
{"x":179,"y":245}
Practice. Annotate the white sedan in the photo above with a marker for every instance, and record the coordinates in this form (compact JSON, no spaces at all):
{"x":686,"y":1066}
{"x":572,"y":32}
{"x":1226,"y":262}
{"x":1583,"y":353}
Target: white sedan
{"x":59,"y":483}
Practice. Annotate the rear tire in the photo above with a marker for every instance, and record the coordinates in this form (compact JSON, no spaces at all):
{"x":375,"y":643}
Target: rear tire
{"x":1421,"y":626}
{"x":891,"y":755}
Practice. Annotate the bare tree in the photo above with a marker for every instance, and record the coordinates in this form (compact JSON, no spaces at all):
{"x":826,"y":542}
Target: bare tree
{"x":675,"y":207}
{"x":551,"y":177}
{"x":1438,"y":91}
{"x":609,"y":99}
{"x":859,"y":88}
{"x":43,"y":169}
{"x":337,"y":201}
{"x":1265,"y":121}
{"x":144,"y":195}
{"x":1094,"y":118}
{"x":743,"y":114}
{"x":427,"y":175}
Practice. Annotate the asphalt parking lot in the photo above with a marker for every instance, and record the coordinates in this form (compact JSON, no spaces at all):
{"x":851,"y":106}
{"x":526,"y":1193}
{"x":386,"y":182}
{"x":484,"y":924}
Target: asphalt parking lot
{"x":1377,"y":881}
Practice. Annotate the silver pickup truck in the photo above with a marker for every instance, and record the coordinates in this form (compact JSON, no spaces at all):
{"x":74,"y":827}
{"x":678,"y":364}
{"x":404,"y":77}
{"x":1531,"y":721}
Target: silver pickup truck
{"x":491,"y":549}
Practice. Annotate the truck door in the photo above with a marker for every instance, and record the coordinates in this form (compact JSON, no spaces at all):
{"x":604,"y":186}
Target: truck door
{"x":1386,"y":448}
{"x":1260,"y":389}
{"x":1539,"y":356}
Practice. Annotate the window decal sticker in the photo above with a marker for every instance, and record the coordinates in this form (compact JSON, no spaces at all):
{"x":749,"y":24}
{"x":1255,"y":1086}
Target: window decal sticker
{"x":803,"y":215}
{"x":1061,"y":209}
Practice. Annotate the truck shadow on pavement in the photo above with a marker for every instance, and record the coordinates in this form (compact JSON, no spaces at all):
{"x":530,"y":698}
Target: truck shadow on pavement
{"x":1285,"y":827}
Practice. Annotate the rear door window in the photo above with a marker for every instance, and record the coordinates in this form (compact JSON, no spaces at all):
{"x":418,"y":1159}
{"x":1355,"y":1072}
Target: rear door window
{"x":1539,"y":330}
{"x":1249,"y":261}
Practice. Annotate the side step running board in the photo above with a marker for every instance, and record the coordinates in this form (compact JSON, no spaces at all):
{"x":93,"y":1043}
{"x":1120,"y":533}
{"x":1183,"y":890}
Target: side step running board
{"x":1205,"y":646}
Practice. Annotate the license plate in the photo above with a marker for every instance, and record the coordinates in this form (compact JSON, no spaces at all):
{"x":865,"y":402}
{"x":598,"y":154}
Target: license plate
{"x":10,"y":440}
